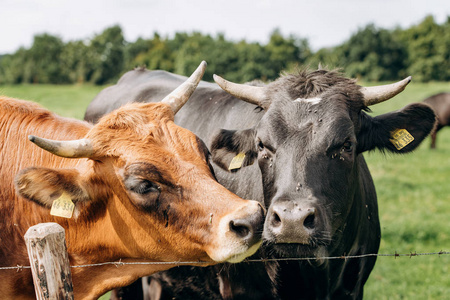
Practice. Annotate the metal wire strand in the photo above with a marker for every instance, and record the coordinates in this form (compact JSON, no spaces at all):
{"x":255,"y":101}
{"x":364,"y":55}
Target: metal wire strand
{"x":179,"y":263}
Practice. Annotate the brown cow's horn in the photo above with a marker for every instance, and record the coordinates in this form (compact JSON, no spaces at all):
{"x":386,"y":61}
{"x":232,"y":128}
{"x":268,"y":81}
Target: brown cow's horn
{"x":251,"y":94}
{"x":181,"y":94}
{"x":378,"y":94}
{"x":69,"y":149}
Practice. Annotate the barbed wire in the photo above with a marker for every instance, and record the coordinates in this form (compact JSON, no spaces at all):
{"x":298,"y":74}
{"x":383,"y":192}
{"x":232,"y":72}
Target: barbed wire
{"x":179,"y":263}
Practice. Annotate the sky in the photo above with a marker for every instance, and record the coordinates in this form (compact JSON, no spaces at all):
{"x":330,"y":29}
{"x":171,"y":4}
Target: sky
{"x":324,"y":23}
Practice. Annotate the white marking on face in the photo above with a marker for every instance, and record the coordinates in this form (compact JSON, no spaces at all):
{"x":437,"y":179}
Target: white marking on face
{"x":313,"y":101}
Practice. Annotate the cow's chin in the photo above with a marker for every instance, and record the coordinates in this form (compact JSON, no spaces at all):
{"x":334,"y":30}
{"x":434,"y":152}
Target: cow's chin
{"x":227,"y":255}
{"x":313,"y":254}
{"x":241,"y":257}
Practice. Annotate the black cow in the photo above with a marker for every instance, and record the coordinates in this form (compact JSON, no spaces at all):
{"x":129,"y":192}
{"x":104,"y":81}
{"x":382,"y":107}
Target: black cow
{"x":303,"y":136}
{"x":441,"y":106}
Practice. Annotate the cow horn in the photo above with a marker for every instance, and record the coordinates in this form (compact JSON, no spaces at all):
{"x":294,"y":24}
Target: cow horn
{"x":378,"y":94}
{"x":181,"y":94}
{"x":251,"y":94}
{"x":70,"y":149}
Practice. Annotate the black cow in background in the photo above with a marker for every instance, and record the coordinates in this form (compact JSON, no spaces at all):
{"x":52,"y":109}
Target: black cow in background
{"x":441,"y":106}
{"x":296,"y":144}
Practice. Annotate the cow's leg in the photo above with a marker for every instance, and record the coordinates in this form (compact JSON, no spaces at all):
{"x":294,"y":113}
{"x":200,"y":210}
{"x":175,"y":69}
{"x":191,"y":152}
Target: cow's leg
{"x":433,"y":136}
{"x":433,"y":140}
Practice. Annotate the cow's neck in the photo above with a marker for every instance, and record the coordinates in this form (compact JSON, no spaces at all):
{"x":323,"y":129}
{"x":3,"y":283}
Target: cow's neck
{"x":93,"y":282}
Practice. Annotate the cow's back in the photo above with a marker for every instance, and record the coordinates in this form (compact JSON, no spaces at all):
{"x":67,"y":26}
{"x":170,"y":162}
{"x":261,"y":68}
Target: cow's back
{"x":139,"y":85}
{"x":441,"y":105}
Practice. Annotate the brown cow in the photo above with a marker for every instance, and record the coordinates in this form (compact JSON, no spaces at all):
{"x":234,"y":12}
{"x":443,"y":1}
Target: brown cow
{"x":440,"y":103}
{"x":142,"y":187}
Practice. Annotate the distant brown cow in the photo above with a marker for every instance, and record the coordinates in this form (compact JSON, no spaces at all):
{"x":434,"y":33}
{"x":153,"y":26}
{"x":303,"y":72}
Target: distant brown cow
{"x":440,"y":103}
{"x":142,"y":187}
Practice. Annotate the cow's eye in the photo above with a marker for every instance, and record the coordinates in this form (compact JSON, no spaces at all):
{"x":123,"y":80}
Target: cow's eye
{"x":146,"y":187}
{"x":348,"y":146}
{"x":260,"y":145}
{"x":142,"y":186}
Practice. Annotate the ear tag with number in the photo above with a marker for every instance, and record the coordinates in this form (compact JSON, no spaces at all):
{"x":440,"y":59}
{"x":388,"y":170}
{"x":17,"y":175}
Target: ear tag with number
{"x":236,"y":162}
{"x":63,"y":206}
{"x":400,"y":138}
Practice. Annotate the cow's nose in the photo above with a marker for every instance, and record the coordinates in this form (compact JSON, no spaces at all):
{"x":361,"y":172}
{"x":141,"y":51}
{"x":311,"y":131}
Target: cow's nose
{"x":249,"y":229}
{"x":291,"y":223}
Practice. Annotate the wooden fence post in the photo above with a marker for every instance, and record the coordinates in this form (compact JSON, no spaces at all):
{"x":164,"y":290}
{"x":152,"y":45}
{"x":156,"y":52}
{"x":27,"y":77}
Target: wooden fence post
{"x":49,"y":261}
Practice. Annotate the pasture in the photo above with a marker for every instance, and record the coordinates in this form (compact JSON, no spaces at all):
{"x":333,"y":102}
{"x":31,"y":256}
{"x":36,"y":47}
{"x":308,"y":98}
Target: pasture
{"x":413,"y":195}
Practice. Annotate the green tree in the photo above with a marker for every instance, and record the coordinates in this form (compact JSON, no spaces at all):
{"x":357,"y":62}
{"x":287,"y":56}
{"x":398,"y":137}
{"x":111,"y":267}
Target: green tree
{"x":251,"y":63}
{"x":285,"y":53}
{"x":43,"y":60}
{"x":374,"y":54}
{"x":217,"y":52}
{"x":106,"y":55}
{"x":12,"y":67}
{"x":330,"y":58}
{"x":191,"y":53}
{"x":132,"y":50}
{"x":154,"y":54}
{"x":428,"y":50}
{"x":74,"y":62}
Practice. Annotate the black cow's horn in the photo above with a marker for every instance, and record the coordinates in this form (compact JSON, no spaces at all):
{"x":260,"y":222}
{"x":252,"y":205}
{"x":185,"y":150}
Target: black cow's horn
{"x":181,"y":94}
{"x":70,"y":149}
{"x":251,"y":94}
{"x":378,"y":94}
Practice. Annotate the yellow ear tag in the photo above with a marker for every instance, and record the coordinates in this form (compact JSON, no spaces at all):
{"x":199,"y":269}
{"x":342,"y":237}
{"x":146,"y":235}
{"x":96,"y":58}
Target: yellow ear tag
{"x":401,"y":138}
{"x":236,"y":162}
{"x":63,"y":206}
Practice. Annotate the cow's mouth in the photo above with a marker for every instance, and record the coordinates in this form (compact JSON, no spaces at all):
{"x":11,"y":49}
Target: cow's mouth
{"x":241,"y":257}
{"x":291,"y":250}
{"x":314,"y":249}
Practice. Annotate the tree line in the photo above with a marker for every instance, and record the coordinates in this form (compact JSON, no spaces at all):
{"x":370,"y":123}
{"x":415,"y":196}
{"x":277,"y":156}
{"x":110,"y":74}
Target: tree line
{"x":372,"y":54}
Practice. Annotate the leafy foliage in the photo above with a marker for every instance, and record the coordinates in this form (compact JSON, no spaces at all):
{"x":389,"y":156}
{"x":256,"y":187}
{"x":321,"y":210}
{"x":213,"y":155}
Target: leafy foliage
{"x":428,"y":47}
{"x":371,"y":54}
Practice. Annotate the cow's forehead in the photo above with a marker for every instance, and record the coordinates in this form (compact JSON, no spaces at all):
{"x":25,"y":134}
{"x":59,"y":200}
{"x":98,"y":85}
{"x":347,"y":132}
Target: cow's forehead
{"x":141,"y":130}
{"x":135,"y":115}
{"x":310,"y":109}
{"x":313,"y":97}
{"x":312,"y":101}
{"x":132,"y":121}
{"x":316,"y":87}
{"x":166,"y":140}
{"x":305,"y":84}
{"x":326,"y":117}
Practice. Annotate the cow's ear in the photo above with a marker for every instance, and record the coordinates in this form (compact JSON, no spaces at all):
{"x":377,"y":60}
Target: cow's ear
{"x":234,"y":149}
{"x":43,"y":185}
{"x":399,"y":132}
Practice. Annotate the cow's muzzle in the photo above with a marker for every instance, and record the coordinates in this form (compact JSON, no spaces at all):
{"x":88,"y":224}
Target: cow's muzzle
{"x":239,"y":234}
{"x":290,"y":222}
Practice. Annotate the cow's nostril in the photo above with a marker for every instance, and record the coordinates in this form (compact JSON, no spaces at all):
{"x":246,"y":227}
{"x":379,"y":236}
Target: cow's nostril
{"x":240,"y":228}
{"x":276,"y":221}
{"x":309,"y":221}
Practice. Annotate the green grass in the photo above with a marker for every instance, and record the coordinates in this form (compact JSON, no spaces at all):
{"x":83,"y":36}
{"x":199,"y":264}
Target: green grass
{"x":414,"y":201}
{"x":65,"y":100}
{"x":413,"y":195}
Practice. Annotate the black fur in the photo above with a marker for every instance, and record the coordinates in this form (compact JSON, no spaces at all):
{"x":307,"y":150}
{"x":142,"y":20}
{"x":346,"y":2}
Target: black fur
{"x":308,"y":156}
{"x":418,"y":119}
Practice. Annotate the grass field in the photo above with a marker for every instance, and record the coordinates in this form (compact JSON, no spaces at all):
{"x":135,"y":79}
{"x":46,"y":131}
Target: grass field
{"x":414,"y":201}
{"x":413,"y":194}
{"x":65,"y":100}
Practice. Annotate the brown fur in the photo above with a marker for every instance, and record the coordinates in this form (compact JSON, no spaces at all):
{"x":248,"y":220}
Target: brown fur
{"x":108,"y":223}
